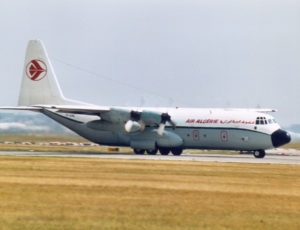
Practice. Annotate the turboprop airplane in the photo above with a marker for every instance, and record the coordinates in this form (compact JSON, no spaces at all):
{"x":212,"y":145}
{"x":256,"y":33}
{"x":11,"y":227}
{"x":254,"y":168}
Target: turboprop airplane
{"x":146,"y":129}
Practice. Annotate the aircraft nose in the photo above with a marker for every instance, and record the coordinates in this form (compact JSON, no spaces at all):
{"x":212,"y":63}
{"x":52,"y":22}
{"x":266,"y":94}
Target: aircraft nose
{"x":280,"y":137}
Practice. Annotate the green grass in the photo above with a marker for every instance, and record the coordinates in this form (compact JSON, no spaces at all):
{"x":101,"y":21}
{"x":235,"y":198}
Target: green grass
{"x":67,"y":193}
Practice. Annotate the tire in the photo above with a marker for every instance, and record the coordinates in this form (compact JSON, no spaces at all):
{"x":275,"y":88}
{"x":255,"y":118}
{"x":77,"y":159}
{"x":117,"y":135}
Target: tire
{"x":151,"y":152}
{"x":164,"y":151}
{"x":176,"y":151}
{"x":139,"y":151}
{"x":259,"y":153}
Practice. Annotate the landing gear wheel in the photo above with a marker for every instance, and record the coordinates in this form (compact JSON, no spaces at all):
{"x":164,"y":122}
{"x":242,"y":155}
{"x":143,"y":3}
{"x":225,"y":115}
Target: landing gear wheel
{"x":164,"y":151}
{"x":139,"y":151}
{"x":151,"y":151}
{"x":176,"y":151}
{"x":259,"y":154}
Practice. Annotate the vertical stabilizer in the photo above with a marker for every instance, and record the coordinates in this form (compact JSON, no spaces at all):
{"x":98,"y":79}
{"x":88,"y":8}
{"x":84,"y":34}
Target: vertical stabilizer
{"x":39,"y":83}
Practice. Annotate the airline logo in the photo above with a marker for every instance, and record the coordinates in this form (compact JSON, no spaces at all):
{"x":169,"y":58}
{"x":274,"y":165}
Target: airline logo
{"x":36,"y":70}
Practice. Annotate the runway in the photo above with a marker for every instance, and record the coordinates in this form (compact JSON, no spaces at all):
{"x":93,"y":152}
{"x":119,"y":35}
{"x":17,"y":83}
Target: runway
{"x":269,"y":159}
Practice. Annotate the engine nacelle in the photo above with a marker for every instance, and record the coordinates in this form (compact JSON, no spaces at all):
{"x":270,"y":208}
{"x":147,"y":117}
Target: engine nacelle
{"x":132,"y":126}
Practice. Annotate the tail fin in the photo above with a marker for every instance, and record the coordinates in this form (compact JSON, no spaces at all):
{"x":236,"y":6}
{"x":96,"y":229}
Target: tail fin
{"x":39,"y":83}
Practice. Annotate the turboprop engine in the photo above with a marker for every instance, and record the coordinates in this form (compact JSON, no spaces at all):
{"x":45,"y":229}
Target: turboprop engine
{"x":151,"y":118}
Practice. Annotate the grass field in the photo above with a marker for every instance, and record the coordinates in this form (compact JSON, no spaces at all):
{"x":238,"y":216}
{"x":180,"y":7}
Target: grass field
{"x":66,"y":193}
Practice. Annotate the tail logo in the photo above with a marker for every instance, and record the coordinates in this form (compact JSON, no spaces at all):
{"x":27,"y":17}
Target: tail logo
{"x":36,"y":70}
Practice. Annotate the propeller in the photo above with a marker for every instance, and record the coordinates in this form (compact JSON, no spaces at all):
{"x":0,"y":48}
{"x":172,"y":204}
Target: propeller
{"x":136,"y":116}
{"x":165,"y":117}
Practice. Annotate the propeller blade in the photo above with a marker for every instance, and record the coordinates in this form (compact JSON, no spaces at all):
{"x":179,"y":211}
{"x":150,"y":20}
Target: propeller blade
{"x":173,"y":124}
{"x":161,"y":129}
{"x":142,"y":124}
{"x":135,"y":115}
{"x":165,"y":117}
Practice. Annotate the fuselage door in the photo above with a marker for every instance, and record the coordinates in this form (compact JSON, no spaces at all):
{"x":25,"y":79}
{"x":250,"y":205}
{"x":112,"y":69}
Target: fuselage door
{"x":196,"y":135}
{"x":224,"y":136}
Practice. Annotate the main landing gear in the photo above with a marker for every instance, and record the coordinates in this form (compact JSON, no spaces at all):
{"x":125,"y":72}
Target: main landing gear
{"x":166,"y":151}
{"x":139,"y":151}
{"x":259,"y":153}
{"x":163,"y":151}
{"x":142,"y":151}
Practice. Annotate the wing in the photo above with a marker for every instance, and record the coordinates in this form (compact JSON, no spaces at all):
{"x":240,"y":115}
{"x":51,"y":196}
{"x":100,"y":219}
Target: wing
{"x":253,"y":110}
{"x":265,"y":110}
{"x":133,"y":119}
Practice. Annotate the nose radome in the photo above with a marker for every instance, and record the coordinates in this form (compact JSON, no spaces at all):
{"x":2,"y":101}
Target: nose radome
{"x":280,"y":137}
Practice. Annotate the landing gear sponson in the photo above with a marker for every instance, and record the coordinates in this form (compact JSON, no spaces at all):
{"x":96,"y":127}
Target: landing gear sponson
{"x":163,"y":151}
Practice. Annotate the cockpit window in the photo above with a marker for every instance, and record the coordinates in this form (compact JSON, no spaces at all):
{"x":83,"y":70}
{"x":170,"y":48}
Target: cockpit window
{"x":263,"y":121}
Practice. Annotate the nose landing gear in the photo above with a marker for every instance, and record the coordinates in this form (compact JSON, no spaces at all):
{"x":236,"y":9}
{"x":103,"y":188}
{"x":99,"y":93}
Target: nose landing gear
{"x":259,"y":153}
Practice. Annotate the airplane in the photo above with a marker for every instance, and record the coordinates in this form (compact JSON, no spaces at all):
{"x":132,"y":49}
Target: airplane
{"x":146,"y":129}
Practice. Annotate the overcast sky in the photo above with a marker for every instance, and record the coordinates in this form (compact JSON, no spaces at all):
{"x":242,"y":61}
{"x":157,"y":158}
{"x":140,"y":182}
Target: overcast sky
{"x":191,"y":53}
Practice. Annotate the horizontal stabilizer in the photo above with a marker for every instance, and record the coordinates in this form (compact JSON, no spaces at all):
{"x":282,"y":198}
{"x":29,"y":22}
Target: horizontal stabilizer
{"x":29,"y":108}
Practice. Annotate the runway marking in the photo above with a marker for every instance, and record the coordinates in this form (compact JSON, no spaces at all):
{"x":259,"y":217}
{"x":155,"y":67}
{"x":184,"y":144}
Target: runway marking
{"x":269,"y":159}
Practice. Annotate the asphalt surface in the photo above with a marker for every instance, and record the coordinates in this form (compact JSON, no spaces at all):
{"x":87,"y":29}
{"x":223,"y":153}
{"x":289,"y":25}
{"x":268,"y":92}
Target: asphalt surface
{"x":242,"y":158}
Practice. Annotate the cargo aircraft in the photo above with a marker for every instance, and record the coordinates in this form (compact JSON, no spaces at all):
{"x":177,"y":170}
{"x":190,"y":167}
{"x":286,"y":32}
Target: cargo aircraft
{"x":146,"y":129}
